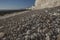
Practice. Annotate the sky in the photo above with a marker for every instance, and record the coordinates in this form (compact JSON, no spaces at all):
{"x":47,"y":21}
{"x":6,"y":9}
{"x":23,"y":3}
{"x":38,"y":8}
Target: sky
{"x":15,"y":4}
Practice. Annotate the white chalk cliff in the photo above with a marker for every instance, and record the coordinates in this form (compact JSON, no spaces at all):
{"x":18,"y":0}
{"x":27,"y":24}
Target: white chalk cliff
{"x":39,"y":4}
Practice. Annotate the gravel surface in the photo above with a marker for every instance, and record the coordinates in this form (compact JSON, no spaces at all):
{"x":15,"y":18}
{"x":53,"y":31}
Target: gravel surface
{"x":34,"y":25}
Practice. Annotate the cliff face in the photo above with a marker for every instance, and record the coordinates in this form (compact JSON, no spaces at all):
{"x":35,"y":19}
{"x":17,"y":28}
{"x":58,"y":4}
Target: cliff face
{"x":39,"y":4}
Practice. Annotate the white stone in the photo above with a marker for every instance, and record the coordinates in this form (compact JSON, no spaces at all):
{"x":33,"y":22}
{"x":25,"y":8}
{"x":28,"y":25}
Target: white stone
{"x":47,"y":37}
{"x":28,"y":31}
{"x":56,"y":14}
{"x":32,"y":36}
{"x":1,"y":34}
{"x":1,"y":27}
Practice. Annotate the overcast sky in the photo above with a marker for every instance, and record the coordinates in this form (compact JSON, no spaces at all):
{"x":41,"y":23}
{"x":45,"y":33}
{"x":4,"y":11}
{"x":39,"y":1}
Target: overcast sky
{"x":15,"y":4}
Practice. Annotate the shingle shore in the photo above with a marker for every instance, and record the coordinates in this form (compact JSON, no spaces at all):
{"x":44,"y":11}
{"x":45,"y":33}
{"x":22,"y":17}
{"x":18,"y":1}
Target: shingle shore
{"x":34,"y":25}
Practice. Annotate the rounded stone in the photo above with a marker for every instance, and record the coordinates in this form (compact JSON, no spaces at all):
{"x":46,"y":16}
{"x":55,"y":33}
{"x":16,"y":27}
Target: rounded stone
{"x":2,"y":34}
{"x":58,"y":37}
